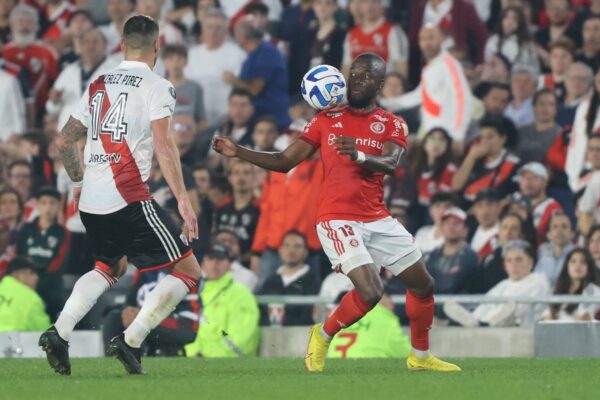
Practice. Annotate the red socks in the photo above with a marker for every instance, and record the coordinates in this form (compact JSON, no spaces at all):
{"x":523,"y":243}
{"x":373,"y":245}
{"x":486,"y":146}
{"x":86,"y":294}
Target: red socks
{"x":420,"y":314}
{"x":351,"y":309}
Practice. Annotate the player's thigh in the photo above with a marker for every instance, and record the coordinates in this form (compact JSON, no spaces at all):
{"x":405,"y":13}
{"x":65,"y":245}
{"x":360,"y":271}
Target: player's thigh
{"x":107,"y":237}
{"x":156,"y":240}
{"x":344,"y":245}
{"x":391,"y":245}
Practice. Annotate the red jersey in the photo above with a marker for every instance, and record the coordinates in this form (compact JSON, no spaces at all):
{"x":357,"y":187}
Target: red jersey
{"x":41,"y":63}
{"x":542,"y":213}
{"x":375,"y":41}
{"x":57,"y":21}
{"x":429,"y":186}
{"x":351,"y":191}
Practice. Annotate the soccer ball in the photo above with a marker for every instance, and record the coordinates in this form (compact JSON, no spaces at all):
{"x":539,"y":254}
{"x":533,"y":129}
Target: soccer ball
{"x":323,"y":87}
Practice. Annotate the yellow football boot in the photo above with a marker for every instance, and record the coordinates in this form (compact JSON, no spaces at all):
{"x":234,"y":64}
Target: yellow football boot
{"x":429,"y":363}
{"x":317,"y":350}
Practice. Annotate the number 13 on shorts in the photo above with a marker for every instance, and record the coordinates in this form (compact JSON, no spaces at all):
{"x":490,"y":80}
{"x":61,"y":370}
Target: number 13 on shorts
{"x":344,"y":245}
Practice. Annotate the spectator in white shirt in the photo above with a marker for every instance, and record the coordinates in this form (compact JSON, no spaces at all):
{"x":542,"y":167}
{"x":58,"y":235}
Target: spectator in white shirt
{"x":518,"y":261}
{"x":430,"y":237}
{"x":208,"y":61}
{"x":12,"y":106}
{"x":74,"y":80}
{"x":119,"y":11}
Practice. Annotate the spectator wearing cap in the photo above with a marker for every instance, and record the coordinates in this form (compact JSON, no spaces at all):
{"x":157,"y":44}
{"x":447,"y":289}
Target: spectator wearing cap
{"x":523,"y":83}
{"x":293,"y":277}
{"x":21,"y":308}
{"x":518,"y":261}
{"x":489,"y":163}
{"x":486,"y":210}
{"x":562,"y":55}
{"x":533,"y":182}
{"x":46,"y":243}
{"x":593,"y":243}
{"x":190,"y":95}
{"x":552,"y":254}
{"x":536,"y":139}
{"x":229,"y":319}
{"x":208,"y":60}
{"x":264,"y":73}
{"x":377,"y":335}
{"x":73,"y":81}
{"x":240,"y":273}
{"x":288,"y":202}
{"x":454,"y":264}
{"x":430,"y":237}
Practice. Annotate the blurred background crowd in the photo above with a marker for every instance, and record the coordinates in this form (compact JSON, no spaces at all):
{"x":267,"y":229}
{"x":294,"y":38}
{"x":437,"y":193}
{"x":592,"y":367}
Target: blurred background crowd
{"x":500,"y":186}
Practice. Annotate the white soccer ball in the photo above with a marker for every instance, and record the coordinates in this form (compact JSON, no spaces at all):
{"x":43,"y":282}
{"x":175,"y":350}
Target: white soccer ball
{"x":323,"y":87}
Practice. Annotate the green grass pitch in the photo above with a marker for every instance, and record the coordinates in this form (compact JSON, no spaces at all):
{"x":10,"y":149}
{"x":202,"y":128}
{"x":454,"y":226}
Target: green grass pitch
{"x":286,"y":379}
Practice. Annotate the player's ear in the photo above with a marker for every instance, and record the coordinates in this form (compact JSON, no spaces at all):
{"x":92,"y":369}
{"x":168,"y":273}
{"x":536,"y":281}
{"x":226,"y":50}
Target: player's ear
{"x":157,"y":46}
{"x":122,"y":44}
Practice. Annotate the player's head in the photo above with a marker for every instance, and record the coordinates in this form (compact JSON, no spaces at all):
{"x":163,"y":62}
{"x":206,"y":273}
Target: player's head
{"x":140,"y":39}
{"x":367,"y":75}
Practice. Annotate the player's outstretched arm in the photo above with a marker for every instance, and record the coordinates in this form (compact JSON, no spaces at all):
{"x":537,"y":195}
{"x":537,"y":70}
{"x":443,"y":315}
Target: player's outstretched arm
{"x":281,"y":161}
{"x":387,"y":162}
{"x":70,"y":151}
{"x":170,"y":166}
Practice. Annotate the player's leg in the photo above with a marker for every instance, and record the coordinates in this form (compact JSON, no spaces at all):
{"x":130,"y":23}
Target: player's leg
{"x":343,"y":244}
{"x":106,"y":246}
{"x":393,"y":247}
{"x":156,"y":244}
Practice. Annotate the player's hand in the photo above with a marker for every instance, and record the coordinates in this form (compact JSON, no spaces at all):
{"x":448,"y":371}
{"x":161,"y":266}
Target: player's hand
{"x":345,"y":145}
{"x":189,"y":219}
{"x":76,"y":196}
{"x":228,"y":77}
{"x":224,"y":145}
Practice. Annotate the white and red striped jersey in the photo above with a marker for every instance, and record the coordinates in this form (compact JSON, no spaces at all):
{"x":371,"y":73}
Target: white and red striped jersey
{"x":117,"y":109}
{"x":542,"y":213}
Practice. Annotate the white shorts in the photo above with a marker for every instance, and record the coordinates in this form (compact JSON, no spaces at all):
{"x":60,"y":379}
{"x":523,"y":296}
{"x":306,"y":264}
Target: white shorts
{"x":383,"y":243}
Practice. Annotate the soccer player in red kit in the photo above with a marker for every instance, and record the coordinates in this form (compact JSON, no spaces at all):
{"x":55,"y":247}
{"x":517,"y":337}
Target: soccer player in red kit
{"x":359,"y":144}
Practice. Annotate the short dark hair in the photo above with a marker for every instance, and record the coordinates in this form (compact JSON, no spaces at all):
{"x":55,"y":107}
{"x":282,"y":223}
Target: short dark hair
{"x":200,"y":166}
{"x":504,"y":126}
{"x":269,"y":119}
{"x":140,"y":32}
{"x":486,"y":88}
{"x":259,"y":8}
{"x":294,"y":232}
{"x":241,"y":93}
{"x":444,"y":197}
{"x":174,"y":50}
{"x":16,"y":163}
{"x":84,"y":13}
{"x":565,"y":44}
{"x":542,"y":92}
{"x":36,"y":137}
{"x":595,"y":228}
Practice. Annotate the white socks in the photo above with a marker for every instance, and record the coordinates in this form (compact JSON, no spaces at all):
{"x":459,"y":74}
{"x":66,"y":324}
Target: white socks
{"x":420,"y":353}
{"x":157,"y":306}
{"x":85,"y":293}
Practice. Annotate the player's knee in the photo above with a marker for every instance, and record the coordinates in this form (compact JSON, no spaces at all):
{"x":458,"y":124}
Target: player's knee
{"x":190,"y":267}
{"x":119,"y":269}
{"x":372,"y":294}
{"x":425,"y":288}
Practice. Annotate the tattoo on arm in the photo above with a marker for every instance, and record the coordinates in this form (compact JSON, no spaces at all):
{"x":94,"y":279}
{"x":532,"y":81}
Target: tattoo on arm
{"x":70,"y":151}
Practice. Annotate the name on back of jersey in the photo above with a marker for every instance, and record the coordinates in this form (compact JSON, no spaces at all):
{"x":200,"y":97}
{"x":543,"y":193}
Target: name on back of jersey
{"x":122,"y":79}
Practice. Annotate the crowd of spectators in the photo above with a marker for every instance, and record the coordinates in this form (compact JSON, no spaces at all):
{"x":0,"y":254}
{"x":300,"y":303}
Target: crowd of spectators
{"x":500,"y":185}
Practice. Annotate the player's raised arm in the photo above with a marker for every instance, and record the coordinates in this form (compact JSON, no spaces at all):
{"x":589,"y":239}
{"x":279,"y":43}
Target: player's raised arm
{"x":170,"y":166}
{"x":281,"y":161}
{"x":387,"y":162}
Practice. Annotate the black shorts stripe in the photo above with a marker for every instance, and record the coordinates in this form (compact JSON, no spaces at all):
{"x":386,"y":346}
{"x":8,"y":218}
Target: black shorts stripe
{"x":159,"y":233}
{"x":161,"y":227}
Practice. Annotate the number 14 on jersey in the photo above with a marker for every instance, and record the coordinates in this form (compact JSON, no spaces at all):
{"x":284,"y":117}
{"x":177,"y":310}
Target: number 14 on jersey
{"x":111,"y":121}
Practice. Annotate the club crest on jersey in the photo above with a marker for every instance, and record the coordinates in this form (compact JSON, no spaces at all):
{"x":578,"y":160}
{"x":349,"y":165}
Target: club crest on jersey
{"x":353,"y":242}
{"x":377,"y":127}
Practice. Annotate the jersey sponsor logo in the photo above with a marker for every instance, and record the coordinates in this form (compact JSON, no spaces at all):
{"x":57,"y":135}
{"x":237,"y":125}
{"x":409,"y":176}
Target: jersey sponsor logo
{"x":377,"y":127}
{"x":359,"y":142}
{"x":331,"y":139}
{"x":380,"y":118}
{"x":39,"y":252}
{"x":113,"y":158}
{"x":334,"y":114}
{"x":337,"y":125}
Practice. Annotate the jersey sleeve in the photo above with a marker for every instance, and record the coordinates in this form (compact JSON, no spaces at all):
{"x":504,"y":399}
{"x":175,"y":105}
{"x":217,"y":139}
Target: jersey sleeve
{"x":82,"y":111}
{"x":312,"y":133}
{"x":161,"y":100}
{"x":397,"y":131}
